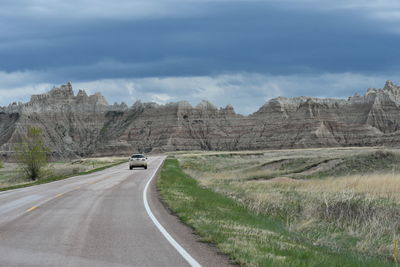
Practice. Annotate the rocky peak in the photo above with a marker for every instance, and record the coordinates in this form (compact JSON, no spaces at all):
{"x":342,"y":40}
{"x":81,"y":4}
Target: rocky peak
{"x":56,"y":93}
{"x":98,"y":99}
{"x":206,"y":105}
{"x":184,"y":105}
{"x":389,"y":85}
{"x":119,"y":106}
{"x":229,"y":108}
{"x":64,"y":92}
{"x":67,"y":88}
{"x":82,"y":94}
{"x":371,"y":91}
{"x":63,"y":99}
{"x":392,"y":88}
{"x":138,"y":105}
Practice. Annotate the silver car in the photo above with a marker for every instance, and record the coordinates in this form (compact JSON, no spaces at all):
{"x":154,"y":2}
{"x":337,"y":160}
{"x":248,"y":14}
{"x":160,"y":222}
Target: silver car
{"x":137,"y":160}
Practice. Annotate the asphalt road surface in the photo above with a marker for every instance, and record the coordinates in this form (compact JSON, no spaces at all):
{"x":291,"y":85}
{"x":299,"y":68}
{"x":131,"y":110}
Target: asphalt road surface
{"x":98,"y":219}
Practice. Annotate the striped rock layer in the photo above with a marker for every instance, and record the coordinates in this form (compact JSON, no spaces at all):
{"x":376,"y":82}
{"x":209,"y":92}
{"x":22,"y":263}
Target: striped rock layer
{"x":83,"y":125}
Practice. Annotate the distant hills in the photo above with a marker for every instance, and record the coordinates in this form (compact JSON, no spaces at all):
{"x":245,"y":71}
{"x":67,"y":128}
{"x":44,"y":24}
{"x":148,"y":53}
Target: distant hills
{"x":86,"y":125}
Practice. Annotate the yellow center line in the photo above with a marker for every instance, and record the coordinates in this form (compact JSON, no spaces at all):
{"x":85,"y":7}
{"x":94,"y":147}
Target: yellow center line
{"x":58,"y":195}
{"x":34,"y":207}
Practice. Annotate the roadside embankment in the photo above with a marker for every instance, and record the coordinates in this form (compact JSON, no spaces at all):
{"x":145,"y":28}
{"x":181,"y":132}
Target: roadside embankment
{"x":250,"y":238}
{"x":12,"y":178}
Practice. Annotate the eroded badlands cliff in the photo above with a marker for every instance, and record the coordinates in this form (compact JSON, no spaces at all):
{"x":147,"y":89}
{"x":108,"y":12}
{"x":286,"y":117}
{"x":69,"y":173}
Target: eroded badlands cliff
{"x":82,"y":125}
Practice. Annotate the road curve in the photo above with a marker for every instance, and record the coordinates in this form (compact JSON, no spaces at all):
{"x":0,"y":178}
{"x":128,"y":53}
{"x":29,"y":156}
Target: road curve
{"x":97,"y":219}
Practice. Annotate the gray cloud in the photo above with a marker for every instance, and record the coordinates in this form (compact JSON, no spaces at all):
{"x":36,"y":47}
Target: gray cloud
{"x":90,"y":9}
{"x":231,"y":38}
{"x":142,"y":9}
{"x":239,"y":52}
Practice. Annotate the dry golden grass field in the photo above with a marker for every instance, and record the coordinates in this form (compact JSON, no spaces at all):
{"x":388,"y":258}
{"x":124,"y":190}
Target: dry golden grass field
{"x":339,"y":198}
{"x":12,"y":175}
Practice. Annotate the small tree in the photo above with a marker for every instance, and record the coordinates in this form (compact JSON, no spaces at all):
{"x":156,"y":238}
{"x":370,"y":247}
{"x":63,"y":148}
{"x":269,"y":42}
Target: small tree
{"x":31,"y":153}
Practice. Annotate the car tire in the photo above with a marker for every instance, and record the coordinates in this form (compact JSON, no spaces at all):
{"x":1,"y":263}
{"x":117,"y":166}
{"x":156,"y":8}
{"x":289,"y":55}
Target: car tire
{"x":130,"y":167}
{"x":145,"y":167}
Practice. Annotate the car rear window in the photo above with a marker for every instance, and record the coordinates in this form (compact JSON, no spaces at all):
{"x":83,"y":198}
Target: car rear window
{"x":137,"y":156}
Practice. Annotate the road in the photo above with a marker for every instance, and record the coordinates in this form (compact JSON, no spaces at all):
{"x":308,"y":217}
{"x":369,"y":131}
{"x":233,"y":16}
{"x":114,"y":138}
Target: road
{"x":97,"y":219}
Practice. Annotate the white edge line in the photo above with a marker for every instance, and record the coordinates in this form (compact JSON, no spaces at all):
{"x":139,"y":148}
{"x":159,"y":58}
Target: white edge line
{"x":170,"y":239}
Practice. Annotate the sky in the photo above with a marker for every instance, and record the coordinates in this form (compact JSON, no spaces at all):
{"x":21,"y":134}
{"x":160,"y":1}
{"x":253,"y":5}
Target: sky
{"x":239,"y":52}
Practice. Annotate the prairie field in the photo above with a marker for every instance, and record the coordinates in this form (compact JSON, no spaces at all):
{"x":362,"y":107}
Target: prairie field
{"x":340,"y":199}
{"x":12,"y":175}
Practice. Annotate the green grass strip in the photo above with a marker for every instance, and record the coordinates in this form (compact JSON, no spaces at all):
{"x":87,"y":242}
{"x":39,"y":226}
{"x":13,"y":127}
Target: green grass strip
{"x":249,"y":239}
{"x":57,"y":178}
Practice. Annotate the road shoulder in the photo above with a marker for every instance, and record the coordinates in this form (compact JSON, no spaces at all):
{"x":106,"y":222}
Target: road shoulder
{"x":206,"y":254}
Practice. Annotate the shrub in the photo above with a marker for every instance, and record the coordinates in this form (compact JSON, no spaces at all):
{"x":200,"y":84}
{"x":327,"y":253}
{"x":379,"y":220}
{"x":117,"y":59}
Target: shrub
{"x":31,"y":153}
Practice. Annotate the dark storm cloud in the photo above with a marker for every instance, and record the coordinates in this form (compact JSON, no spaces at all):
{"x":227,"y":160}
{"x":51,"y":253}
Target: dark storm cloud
{"x":227,"y":37}
{"x":241,"y":52}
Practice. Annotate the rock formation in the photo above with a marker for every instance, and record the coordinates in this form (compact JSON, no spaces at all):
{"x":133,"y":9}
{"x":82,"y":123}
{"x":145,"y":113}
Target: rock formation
{"x":84,"y":125}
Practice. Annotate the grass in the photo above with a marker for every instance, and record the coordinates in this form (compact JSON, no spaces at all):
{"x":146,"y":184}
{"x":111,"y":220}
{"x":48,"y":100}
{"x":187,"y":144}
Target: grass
{"x":300,"y":164}
{"x":11,"y":178}
{"x":366,"y":163}
{"x":249,"y":237}
{"x":361,"y":208}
